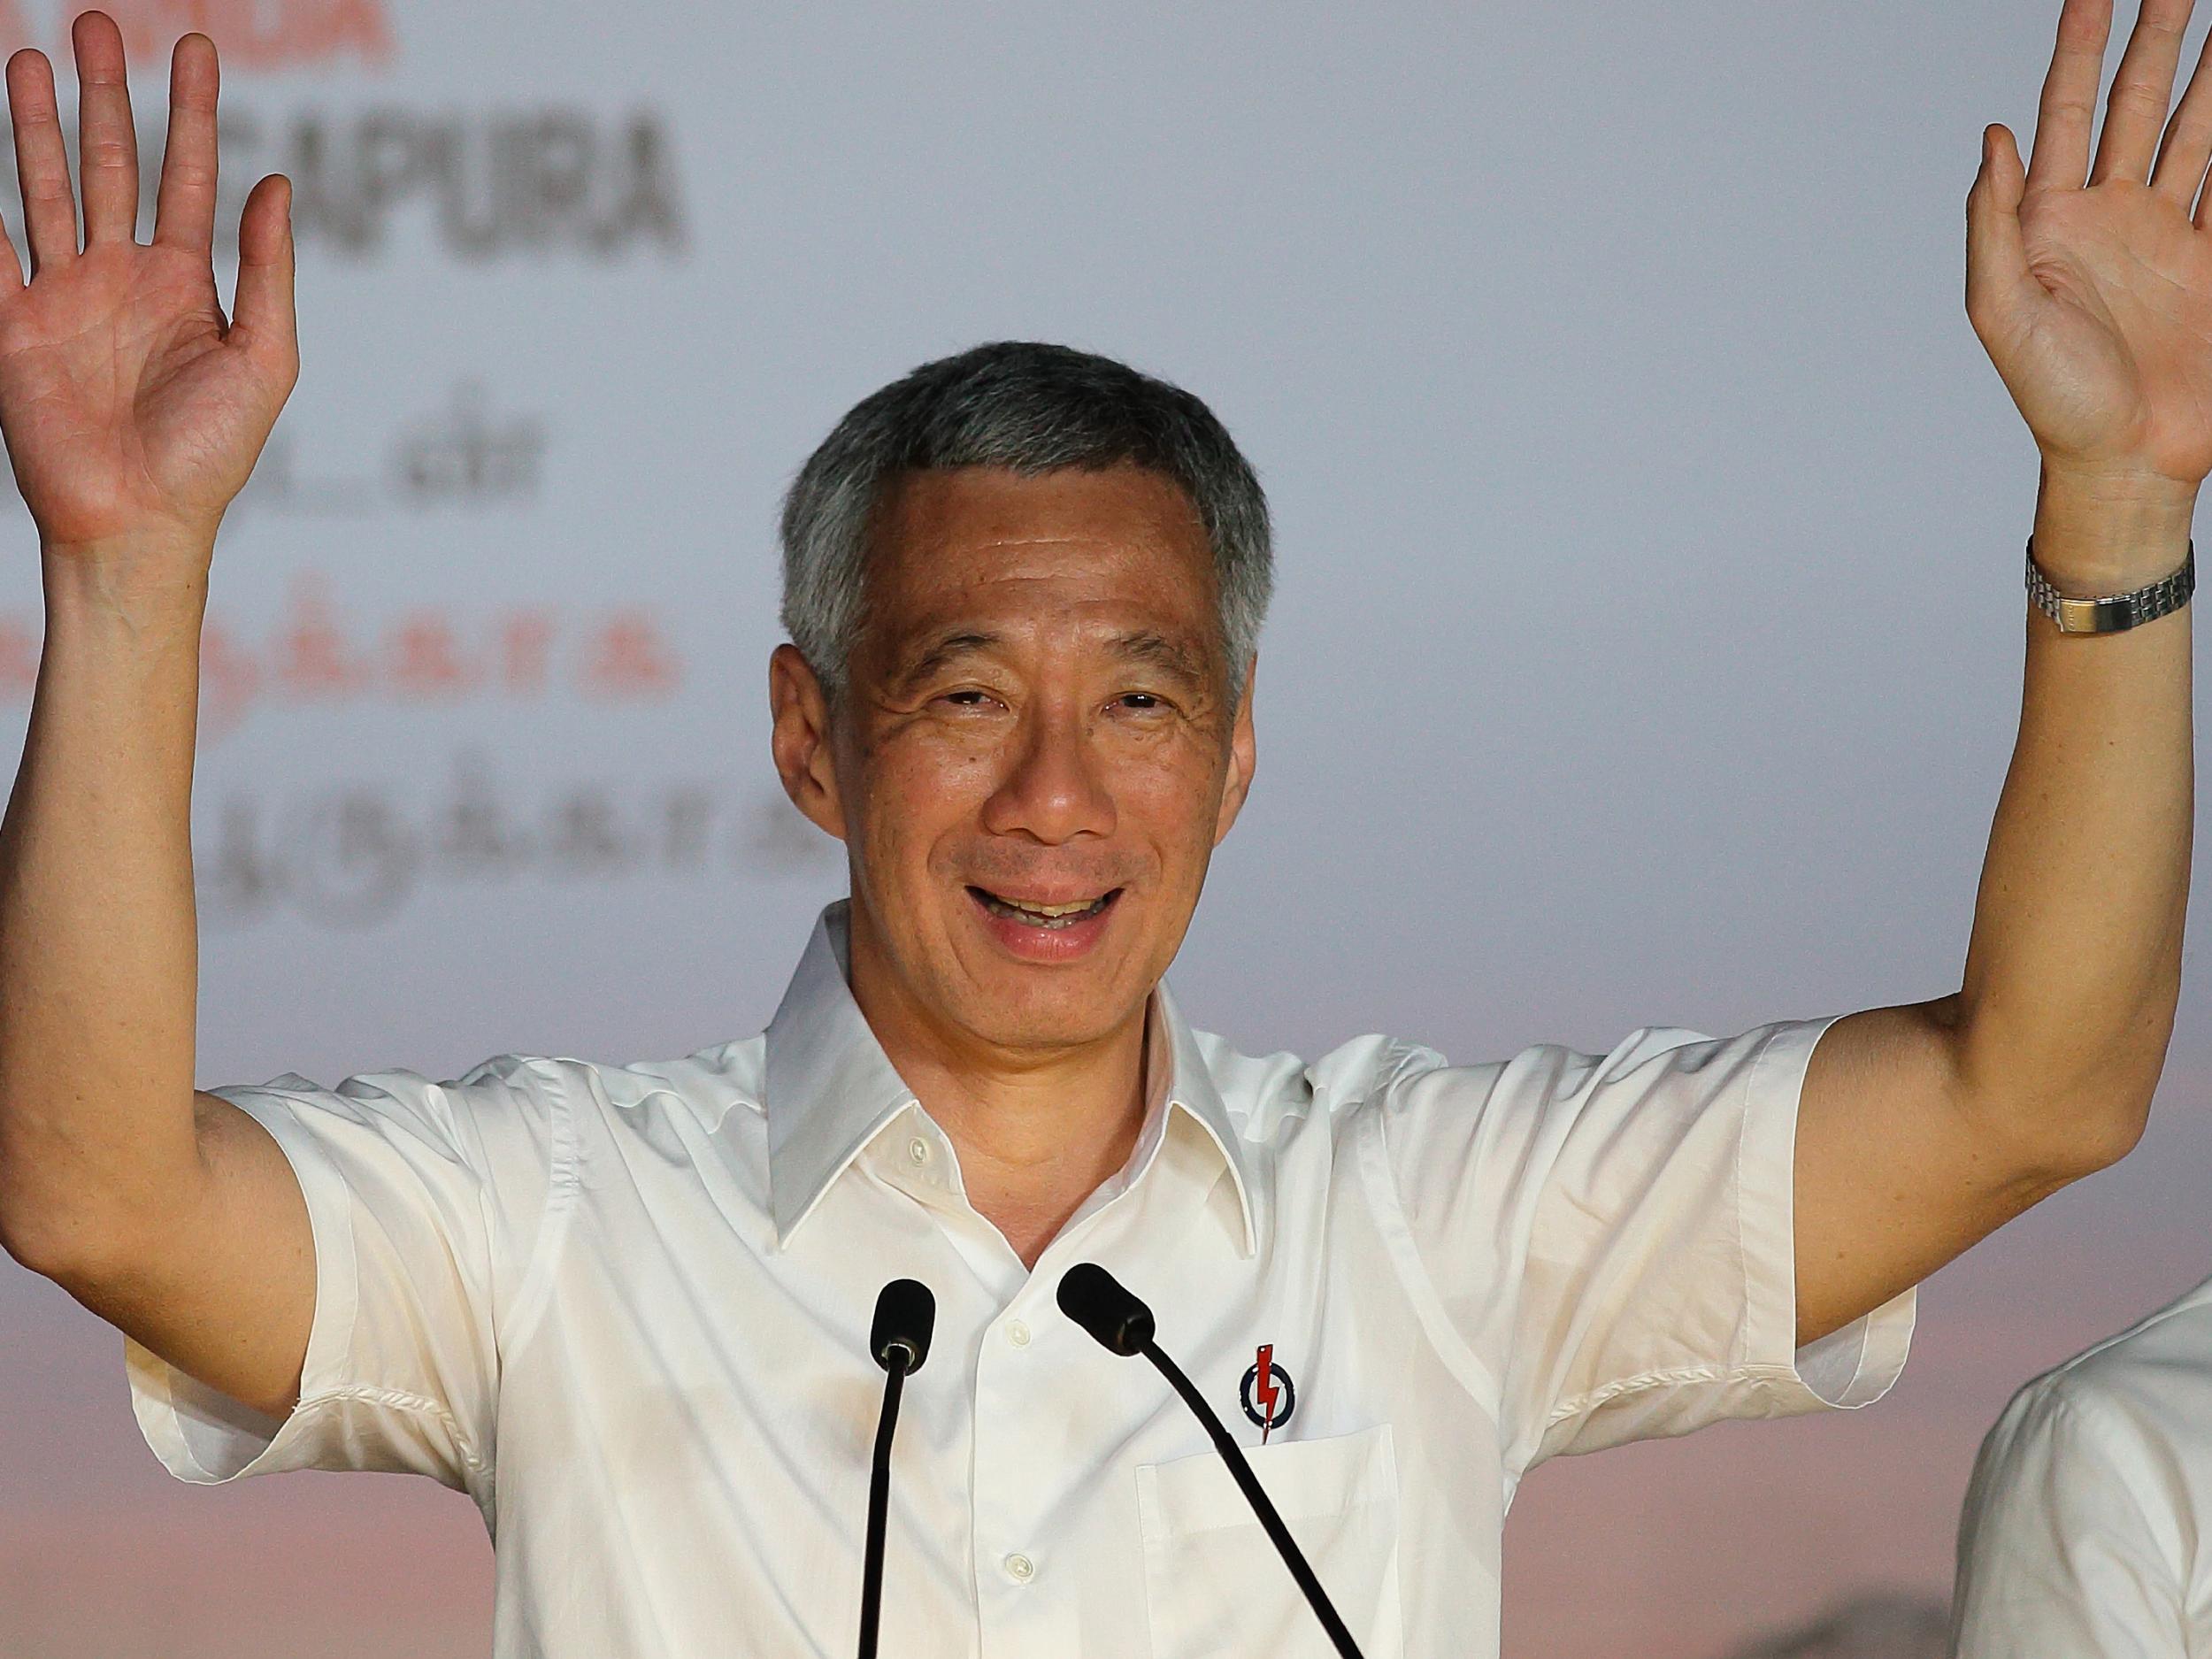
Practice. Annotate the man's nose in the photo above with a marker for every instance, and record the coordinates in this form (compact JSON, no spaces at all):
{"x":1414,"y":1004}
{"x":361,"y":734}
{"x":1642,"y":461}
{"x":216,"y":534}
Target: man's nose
{"x":1054,"y":788}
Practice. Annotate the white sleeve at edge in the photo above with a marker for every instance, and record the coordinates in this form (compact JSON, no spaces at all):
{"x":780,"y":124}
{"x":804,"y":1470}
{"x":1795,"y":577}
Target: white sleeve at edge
{"x":204,"y":1436}
{"x":1848,"y":1368}
{"x":370,"y":1398}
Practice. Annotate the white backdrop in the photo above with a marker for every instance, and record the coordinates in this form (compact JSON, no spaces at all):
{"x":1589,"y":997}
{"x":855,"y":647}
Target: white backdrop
{"x":1646,"y":651}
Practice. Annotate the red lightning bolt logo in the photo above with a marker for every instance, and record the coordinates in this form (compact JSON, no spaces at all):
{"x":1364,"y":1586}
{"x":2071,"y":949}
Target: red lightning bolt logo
{"x":1264,"y":1389}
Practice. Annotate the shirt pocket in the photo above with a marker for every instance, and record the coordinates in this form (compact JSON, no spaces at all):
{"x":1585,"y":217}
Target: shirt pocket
{"x":1214,"y":1584}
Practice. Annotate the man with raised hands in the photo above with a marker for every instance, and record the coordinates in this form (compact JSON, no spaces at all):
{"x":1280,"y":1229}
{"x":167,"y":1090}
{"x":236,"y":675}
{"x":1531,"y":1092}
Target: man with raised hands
{"x":625,"y":1307}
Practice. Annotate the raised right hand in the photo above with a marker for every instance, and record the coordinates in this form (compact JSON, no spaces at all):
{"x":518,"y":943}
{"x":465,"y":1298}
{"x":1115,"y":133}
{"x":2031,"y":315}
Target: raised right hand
{"x":132,"y":412}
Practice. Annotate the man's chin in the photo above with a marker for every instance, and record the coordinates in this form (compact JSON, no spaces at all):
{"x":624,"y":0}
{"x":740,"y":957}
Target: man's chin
{"x":1053,"y":1015}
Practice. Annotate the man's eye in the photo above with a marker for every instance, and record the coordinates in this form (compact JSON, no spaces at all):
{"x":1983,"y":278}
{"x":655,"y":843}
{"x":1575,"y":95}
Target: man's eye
{"x":968,"y":699}
{"x":1141,"y":700}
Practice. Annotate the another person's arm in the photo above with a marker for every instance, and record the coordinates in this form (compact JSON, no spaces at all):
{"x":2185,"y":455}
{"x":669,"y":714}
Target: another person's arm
{"x":133,"y":415}
{"x":1923,"y":1128}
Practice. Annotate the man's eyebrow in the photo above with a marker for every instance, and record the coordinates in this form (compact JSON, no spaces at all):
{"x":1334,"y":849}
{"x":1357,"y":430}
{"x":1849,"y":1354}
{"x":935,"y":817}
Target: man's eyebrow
{"x":935,"y":653}
{"x":1145,"y":646}
{"x":1140,"y":645}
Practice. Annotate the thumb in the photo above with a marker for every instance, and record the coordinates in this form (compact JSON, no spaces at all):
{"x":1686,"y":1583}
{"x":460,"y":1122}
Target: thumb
{"x":264,"y":310}
{"x":2000,"y":288}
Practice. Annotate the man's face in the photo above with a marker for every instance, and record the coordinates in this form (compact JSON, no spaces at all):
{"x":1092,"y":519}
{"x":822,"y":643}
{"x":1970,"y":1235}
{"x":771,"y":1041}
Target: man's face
{"x":1036,"y":756}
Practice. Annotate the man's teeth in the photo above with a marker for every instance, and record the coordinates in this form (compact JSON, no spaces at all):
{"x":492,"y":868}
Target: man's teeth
{"x":1042,"y":915}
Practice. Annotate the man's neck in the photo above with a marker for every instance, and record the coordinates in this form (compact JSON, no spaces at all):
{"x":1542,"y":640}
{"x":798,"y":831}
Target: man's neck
{"x":1033,"y":1146}
{"x":1035,"y":1134}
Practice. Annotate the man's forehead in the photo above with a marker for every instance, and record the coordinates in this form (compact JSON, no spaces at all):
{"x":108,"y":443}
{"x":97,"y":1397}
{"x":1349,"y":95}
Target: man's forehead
{"x":984,"y":559}
{"x":926,"y":650}
{"x":961,"y":525}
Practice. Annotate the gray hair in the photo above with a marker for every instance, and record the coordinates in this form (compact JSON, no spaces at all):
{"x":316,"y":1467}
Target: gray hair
{"x":1035,"y":407}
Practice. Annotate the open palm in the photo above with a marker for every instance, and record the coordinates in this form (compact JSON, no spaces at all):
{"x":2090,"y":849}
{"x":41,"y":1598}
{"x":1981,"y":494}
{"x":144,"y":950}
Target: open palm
{"x":2090,"y":282}
{"x":127,"y":405}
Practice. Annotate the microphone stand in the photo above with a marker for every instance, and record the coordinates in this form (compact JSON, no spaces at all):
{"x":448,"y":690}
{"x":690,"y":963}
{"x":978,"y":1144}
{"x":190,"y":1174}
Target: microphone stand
{"x":880,"y":1505}
{"x":1262,"y":1505}
{"x":1121,"y":1324}
{"x":906,"y":1314}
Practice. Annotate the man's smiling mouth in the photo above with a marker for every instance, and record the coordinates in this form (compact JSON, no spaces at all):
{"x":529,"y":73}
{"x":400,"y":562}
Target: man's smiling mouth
{"x":1047,"y":915}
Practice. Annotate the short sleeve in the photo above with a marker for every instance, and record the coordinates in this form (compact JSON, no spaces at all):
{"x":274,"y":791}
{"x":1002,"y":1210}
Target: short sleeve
{"x":2062,"y":1550}
{"x":1613,"y":1234}
{"x":428,"y":1202}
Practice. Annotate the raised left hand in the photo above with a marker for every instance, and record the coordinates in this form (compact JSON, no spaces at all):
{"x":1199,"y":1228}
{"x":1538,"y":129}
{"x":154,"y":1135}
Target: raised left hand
{"x":2094,"y":299}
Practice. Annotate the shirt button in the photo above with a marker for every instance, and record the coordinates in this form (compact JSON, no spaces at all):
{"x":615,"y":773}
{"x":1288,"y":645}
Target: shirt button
{"x":917,"y":1149}
{"x":1020,"y":1568}
{"x":1017,"y":1333}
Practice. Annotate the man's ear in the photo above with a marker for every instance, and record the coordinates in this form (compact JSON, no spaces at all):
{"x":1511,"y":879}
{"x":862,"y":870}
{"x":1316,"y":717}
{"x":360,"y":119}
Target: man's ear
{"x":1243,"y":756}
{"x":800,"y":739}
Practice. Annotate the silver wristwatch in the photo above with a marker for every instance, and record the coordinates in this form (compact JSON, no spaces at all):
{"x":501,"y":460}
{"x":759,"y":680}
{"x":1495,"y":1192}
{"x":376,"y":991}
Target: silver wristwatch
{"x":2112,"y":612}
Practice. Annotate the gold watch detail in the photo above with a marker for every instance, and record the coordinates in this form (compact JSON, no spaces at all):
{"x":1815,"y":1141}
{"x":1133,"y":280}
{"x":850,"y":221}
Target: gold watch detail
{"x":2111,"y":613}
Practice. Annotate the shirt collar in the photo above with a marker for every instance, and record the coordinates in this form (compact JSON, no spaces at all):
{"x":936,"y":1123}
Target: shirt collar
{"x":830,"y":1089}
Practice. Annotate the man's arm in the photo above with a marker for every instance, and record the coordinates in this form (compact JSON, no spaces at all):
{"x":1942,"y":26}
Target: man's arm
{"x":133,"y":415}
{"x":1923,"y":1127}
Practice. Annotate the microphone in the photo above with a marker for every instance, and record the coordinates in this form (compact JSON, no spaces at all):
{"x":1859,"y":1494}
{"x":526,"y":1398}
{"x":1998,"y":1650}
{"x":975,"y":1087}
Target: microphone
{"x":906,"y":1313}
{"x":1096,"y":1300}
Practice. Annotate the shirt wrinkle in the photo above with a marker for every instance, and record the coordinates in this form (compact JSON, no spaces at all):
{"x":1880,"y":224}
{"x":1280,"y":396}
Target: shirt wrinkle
{"x":1442,"y":1335}
{"x":514,"y":1326}
{"x":1582,"y":1404}
{"x":400,"y":1401}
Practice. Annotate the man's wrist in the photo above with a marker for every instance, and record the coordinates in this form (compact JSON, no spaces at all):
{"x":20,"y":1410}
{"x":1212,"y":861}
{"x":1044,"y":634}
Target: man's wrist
{"x":151,"y":580}
{"x":2099,"y":533}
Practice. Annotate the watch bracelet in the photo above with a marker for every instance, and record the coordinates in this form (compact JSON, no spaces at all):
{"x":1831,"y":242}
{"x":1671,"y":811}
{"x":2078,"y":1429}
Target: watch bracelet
{"x":2112,"y":613}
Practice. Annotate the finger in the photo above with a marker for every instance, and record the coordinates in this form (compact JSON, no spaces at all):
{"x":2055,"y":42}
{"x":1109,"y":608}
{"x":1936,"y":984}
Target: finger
{"x":185,"y":215}
{"x":107,"y":147}
{"x":2186,"y":148}
{"x":12,"y":266}
{"x":2001,"y":290}
{"x":263,"y":320}
{"x":2142,"y":93}
{"x":2069,"y":107}
{"x":42,"y":161}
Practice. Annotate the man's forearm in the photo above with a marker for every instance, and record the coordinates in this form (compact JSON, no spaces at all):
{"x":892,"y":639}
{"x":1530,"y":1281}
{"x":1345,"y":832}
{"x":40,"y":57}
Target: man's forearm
{"x":98,"y":942}
{"x":2074,"y":967}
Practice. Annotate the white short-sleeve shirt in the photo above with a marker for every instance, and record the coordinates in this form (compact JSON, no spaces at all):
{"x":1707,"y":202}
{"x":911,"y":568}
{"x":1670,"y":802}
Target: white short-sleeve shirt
{"x":2087,"y":1531}
{"x":627,"y":1309}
